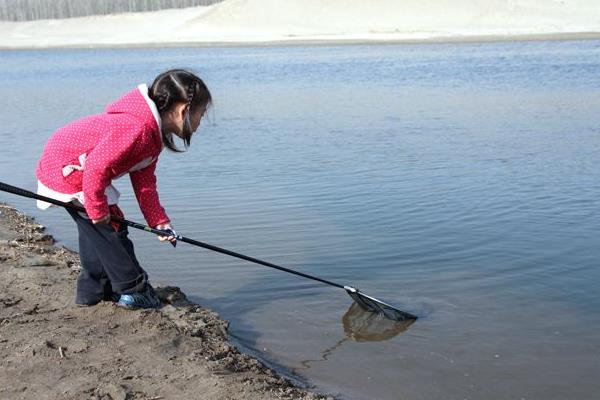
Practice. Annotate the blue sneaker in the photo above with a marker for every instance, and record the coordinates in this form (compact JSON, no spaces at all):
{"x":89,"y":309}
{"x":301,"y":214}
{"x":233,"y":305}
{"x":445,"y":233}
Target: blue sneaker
{"x":145,"y":299}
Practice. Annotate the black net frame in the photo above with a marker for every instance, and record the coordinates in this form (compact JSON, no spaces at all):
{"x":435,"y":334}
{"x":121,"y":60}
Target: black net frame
{"x":369,"y":303}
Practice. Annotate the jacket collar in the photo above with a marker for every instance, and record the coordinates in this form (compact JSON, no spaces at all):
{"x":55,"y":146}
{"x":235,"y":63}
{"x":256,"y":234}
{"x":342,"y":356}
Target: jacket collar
{"x":143,"y":88}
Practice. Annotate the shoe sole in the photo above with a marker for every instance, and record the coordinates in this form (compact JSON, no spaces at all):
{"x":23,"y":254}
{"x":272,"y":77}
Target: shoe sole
{"x":132,"y":307}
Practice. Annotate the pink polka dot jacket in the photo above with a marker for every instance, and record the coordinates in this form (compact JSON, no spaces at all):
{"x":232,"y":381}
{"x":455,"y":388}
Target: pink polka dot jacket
{"x":81,"y":159}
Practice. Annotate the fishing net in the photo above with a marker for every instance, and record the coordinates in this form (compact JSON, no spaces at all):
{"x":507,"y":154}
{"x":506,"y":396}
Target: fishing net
{"x":369,"y":303}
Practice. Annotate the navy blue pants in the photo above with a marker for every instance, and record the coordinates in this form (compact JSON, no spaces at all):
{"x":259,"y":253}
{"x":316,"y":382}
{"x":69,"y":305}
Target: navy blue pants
{"x":109,"y":265}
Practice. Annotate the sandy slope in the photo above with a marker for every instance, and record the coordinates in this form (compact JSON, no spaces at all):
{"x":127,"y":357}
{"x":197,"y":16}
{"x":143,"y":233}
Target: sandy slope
{"x":251,"y":21}
{"x":50,"y":349}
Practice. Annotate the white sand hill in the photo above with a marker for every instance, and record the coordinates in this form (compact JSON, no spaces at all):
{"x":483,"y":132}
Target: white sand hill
{"x":266,"y":21}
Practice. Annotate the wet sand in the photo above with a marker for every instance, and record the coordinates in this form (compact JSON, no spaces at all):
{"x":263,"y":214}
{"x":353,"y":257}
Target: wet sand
{"x":52,"y":349}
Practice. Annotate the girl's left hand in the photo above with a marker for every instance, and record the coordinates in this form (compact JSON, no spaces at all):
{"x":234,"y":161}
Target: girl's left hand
{"x":170,"y":238}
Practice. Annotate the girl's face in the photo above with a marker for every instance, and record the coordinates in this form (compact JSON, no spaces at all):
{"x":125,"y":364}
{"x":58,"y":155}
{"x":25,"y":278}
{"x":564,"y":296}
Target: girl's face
{"x":196,"y":116}
{"x":175,"y":120}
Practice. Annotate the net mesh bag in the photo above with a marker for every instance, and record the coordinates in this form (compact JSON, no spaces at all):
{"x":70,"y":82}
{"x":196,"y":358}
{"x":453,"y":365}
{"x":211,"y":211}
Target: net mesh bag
{"x":377,"y":306}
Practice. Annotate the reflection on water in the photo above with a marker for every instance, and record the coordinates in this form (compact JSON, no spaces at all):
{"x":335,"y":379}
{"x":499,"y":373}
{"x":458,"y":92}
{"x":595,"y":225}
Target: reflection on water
{"x":362,"y":326}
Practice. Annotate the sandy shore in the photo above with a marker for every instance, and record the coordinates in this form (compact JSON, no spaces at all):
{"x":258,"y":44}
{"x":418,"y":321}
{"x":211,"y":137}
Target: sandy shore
{"x":51,"y":349}
{"x":268,"y":22}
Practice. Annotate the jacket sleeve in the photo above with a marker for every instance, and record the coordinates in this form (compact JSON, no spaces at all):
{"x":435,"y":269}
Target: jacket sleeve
{"x":144,"y":186}
{"x":109,"y":158}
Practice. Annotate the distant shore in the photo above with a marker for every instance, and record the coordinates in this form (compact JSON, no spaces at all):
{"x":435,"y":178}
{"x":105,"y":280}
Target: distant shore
{"x":314,"y":22}
{"x":326,"y":42}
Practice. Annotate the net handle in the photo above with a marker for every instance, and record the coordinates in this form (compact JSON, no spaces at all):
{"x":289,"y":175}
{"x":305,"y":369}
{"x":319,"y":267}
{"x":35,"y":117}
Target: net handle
{"x":354,"y":293}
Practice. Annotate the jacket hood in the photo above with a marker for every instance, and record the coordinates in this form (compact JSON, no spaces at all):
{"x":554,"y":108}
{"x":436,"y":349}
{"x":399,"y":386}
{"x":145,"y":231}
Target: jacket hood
{"x":138,"y":104}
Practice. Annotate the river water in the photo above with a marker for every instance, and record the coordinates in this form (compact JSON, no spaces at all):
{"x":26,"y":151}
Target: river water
{"x":456,"y":181}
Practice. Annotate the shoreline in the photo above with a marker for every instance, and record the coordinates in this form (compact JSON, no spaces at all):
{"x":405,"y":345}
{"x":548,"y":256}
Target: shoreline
{"x":53,"y":349}
{"x":312,"y":22}
{"x":301,"y":42}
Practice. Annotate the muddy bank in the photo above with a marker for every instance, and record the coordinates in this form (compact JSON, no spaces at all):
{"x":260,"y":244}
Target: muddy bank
{"x":51,"y":349}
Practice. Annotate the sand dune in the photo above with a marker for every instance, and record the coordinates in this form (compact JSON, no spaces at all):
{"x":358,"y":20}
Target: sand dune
{"x":256,"y":21}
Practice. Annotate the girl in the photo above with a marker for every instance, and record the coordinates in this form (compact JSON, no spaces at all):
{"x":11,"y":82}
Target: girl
{"x":81,"y":159}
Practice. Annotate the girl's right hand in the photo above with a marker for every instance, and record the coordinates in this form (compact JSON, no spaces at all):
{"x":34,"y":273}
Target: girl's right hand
{"x":103,"y":220}
{"x":167,"y":227}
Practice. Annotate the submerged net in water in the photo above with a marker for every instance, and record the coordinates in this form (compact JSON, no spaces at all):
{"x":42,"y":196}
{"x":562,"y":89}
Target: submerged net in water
{"x":377,"y":306}
{"x":364,"y":326}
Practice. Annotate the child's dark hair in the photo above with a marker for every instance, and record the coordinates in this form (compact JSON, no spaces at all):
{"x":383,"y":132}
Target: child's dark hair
{"x":179,"y":86}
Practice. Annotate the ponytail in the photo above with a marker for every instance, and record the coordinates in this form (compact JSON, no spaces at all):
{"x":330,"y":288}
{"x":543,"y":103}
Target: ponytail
{"x":179,"y":86}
